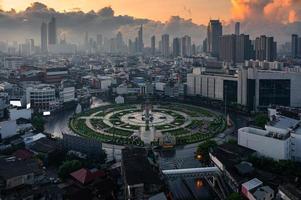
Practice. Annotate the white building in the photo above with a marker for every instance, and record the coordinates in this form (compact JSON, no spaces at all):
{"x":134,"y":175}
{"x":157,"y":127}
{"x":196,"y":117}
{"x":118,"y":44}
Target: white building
{"x":251,"y":86}
{"x":254,"y":190}
{"x":105,"y":82}
{"x":268,"y":144}
{"x":42,"y":97}
{"x":281,"y":139}
{"x":67,"y":94}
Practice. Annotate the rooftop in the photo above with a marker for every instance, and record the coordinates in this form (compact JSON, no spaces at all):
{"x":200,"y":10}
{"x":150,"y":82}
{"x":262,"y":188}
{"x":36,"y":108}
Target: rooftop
{"x":137,"y":167}
{"x":85,"y":176}
{"x":13,"y":168}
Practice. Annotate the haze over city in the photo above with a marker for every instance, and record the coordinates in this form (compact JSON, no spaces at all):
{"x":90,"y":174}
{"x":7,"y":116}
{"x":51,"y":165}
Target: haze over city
{"x":150,"y":100}
{"x":173,"y":17}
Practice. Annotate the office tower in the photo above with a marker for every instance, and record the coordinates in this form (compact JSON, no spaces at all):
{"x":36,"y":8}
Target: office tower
{"x":86,"y":38}
{"x":214,"y":32}
{"x":44,"y":37}
{"x":119,"y":42}
{"x":165,"y":45}
{"x":205,"y":42}
{"x":153,"y":45}
{"x":237,"y":28}
{"x":235,"y":48}
{"x":296,"y":46}
{"x":32,"y":46}
{"x":244,"y":48}
{"x":140,"y":45}
{"x":176,"y":47}
{"x":265,"y":48}
{"x":131,"y":47}
{"x":193,"y":50}
{"x":227,"y":50}
{"x":99,"y":42}
{"x":160,"y":46}
{"x":271,"y":51}
{"x":186,"y":46}
{"x":52,"y":34}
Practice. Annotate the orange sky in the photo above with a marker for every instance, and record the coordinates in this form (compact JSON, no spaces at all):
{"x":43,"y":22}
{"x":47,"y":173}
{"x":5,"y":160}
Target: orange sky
{"x":199,"y":10}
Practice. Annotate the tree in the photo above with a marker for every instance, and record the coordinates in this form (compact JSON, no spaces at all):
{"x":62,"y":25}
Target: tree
{"x":38,"y":122}
{"x":234,"y":196}
{"x":103,"y":157}
{"x":67,"y":167}
{"x":261,"y":120}
{"x":203,"y":149}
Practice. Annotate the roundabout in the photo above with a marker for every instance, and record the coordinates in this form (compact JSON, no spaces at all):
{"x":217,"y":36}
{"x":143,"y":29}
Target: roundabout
{"x":146,"y":124}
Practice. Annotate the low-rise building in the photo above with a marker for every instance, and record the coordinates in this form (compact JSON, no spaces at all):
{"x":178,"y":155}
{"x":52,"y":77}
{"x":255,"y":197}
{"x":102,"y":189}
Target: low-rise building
{"x":141,"y":176}
{"x":14,"y":173}
{"x":280,"y":140}
{"x":42,"y":98}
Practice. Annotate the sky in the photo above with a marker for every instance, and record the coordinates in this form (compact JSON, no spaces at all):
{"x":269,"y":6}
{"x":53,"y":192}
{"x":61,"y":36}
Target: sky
{"x":278,"y":18}
{"x":200,"y":11}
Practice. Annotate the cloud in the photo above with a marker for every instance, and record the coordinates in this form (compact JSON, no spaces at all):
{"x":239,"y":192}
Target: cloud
{"x":75,"y":23}
{"x":279,"y":18}
{"x":106,"y":12}
{"x":284,"y":11}
{"x":175,"y":27}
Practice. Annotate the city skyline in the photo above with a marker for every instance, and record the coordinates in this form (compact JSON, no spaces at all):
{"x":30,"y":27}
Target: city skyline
{"x":254,"y":17}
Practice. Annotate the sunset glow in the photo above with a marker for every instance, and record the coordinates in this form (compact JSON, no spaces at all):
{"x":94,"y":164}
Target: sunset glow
{"x":199,"y":10}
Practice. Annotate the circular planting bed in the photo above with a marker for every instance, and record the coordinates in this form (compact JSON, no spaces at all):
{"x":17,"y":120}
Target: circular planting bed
{"x":120,"y":124}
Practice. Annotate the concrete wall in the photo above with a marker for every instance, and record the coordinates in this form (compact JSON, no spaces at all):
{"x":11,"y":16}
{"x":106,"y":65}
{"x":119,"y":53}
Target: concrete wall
{"x":8,"y":128}
{"x":265,"y":146}
{"x":19,"y":113}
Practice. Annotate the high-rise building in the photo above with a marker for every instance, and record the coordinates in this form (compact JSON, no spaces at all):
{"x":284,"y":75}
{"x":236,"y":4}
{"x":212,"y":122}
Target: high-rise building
{"x":99,"y":42}
{"x":265,"y":48}
{"x":176,"y":47}
{"x":244,"y":48}
{"x":153,"y":45}
{"x":44,"y":37}
{"x":119,"y":42}
{"x":165,"y":45}
{"x":160,"y":47}
{"x":235,"y":48}
{"x":186,"y":46}
{"x":140,"y":44}
{"x":237,"y":28}
{"x":205,"y":43}
{"x":296,"y":46}
{"x":193,"y":50}
{"x":52,"y":32}
{"x":227,"y":50}
{"x":214,"y":32}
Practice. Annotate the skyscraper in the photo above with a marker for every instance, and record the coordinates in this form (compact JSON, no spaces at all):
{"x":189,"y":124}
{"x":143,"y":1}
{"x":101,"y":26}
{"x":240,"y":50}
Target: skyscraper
{"x":153,"y":45}
{"x":119,"y":42}
{"x":227,"y":50}
{"x":244,"y":48}
{"x":265,"y":48}
{"x":44,"y":37}
{"x":186,"y":46}
{"x":99,"y":42}
{"x":193,"y":50}
{"x":235,"y":48}
{"x":52,"y":33}
{"x":237,"y":28}
{"x":140,"y":44}
{"x":214,"y":32}
{"x":165,"y":45}
{"x":176,"y":47}
{"x":296,"y":46}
